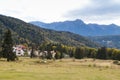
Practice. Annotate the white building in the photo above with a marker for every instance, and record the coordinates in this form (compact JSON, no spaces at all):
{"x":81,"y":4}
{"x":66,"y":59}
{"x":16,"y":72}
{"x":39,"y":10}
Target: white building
{"x":19,"y":50}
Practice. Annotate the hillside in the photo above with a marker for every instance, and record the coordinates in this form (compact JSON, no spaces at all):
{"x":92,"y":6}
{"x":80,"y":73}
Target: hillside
{"x":27,"y":33}
{"x":81,"y":28}
{"x":112,"y":41}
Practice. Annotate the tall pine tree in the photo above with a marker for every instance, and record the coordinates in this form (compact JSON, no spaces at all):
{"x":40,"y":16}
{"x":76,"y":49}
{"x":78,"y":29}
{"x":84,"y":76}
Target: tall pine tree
{"x":79,"y":53}
{"x":102,"y":53}
{"x":7,"y":47}
{"x":32,"y":51}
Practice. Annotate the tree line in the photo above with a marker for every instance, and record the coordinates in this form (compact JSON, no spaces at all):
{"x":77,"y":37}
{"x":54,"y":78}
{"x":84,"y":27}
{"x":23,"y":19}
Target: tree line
{"x":61,"y":50}
{"x":82,"y":52}
{"x":100,"y":53}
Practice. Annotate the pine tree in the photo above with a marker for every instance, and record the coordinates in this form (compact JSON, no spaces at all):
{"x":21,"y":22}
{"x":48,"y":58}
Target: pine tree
{"x":79,"y":53}
{"x":32,"y":52}
{"x":102,"y":53}
{"x":7,"y":47}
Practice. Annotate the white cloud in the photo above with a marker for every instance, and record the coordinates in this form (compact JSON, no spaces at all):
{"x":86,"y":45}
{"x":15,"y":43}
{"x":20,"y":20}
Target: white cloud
{"x":44,"y":10}
{"x":100,"y":11}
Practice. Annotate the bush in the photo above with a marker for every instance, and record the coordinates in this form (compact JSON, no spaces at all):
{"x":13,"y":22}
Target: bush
{"x":94,"y":65}
{"x":73,"y":60}
{"x":116,"y":62}
{"x":58,"y":54}
{"x":89,"y":65}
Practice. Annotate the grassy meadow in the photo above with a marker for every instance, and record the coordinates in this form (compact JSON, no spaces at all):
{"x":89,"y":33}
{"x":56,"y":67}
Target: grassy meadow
{"x":64,"y":69}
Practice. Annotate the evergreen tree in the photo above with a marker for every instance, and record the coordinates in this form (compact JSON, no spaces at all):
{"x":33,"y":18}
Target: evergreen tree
{"x":79,"y":53}
{"x":61,"y":55}
{"x":102,"y":53}
{"x":7,"y":47}
{"x":71,"y":53}
{"x":32,"y":52}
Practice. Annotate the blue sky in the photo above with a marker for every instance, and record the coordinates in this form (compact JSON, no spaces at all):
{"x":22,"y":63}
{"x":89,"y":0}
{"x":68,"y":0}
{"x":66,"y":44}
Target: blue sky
{"x":90,"y":11}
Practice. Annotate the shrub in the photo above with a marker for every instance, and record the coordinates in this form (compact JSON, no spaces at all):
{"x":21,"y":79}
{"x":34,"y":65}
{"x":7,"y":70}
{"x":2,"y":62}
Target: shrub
{"x":94,"y":65}
{"x":89,"y":65}
{"x":116,"y":62}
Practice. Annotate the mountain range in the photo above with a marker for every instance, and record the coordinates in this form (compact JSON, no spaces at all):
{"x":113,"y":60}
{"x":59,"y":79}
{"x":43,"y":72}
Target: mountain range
{"x":79,"y":27}
{"x":25,"y":33}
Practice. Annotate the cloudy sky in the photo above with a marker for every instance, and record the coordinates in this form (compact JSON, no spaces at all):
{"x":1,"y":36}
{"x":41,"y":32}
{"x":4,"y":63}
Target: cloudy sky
{"x":90,"y":11}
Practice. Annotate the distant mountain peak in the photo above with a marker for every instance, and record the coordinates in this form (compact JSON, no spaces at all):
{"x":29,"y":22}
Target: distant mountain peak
{"x":75,"y":21}
{"x":79,"y":20}
{"x":113,"y":24}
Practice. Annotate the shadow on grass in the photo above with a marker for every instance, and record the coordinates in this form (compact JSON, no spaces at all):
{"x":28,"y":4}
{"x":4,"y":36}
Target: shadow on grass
{"x":3,"y":60}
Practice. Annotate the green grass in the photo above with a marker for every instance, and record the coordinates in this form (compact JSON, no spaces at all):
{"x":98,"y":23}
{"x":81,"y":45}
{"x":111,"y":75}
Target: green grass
{"x":66,"y":69}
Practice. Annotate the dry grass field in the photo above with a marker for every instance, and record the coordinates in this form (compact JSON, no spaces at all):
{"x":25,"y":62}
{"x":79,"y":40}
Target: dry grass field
{"x":64,"y":69}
